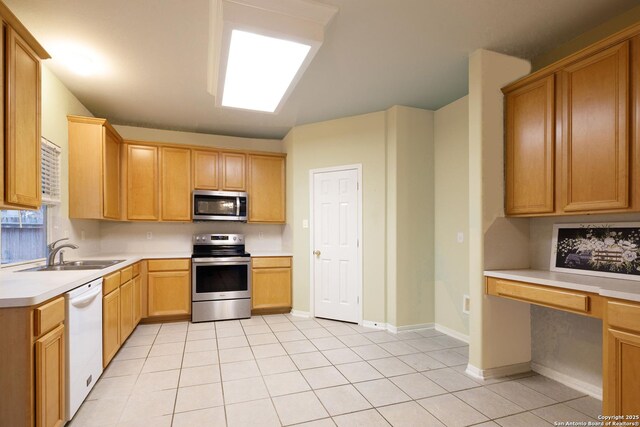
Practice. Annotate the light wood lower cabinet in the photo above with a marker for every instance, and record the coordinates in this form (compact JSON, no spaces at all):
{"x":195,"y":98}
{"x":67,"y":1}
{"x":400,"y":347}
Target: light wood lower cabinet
{"x":50,"y":379}
{"x":126,"y":311}
{"x":271,"y":284}
{"x":621,"y":370}
{"x":169,"y":293}
{"x":110,"y":326}
{"x":121,"y":309}
{"x":621,"y":335}
{"x":137,"y":299}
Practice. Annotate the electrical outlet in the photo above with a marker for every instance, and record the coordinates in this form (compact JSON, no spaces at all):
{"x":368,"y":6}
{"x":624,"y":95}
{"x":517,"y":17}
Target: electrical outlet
{"x":149,"y":235}
{"x":460,"y":237}
{"x":81,"y":234}
{"x":305,"y":223}
{"x":261,"y":235}
{"x":466,"y":304}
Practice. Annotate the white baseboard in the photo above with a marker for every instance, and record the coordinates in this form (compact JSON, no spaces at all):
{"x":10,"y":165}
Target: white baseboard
{"x":452,"y":333}
{"x":299,"y":313}
{"x":499,"y":372}
{"x":406,"y":328}
{"x":374,"y":325}
{"x":569,"y":381}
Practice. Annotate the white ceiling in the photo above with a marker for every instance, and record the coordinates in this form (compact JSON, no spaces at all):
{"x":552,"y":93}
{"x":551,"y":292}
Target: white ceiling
{"x":377,"y":53}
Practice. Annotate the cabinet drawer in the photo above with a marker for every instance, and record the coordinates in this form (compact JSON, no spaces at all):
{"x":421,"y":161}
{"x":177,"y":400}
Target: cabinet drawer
{"x":136,"y":269}
{"x":48,"y":316}
{"x":168,"y":264}
{"x":110,"y":283}
{"x":537,"y":294}
{"x":271,"y":262}
{"x":126,"y":274}
{"x":623,"y":315}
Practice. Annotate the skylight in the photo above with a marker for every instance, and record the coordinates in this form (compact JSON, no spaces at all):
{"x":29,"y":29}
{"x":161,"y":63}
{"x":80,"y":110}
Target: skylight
{"x":259,"y":49}
{"x":260,"y":70}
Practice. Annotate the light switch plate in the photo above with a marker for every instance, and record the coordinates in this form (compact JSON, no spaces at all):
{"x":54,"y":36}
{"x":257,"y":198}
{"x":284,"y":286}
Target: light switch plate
{"x":305,"y":223}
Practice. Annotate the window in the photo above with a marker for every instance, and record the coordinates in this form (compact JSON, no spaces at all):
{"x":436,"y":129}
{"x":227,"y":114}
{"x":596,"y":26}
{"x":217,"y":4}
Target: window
{"x":24,"y":233}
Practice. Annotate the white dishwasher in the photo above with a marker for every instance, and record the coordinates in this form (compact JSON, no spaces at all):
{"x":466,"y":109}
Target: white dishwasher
{"x":84,"y":342}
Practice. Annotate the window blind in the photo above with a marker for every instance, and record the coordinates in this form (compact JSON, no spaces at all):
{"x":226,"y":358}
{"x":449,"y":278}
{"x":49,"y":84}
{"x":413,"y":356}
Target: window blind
{"x":50,"y":172}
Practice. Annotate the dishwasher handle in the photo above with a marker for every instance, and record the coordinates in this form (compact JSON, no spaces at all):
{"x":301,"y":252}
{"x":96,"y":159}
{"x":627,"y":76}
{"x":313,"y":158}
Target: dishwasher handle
{"x":86,"y":299}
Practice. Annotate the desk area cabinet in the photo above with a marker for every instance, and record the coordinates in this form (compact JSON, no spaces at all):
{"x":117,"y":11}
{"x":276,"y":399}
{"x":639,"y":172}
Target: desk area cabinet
{"x":621,"y":332}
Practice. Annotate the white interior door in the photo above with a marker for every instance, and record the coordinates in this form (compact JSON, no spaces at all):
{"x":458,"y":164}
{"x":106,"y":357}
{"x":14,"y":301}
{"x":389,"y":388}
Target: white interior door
{"x":336,"y":271}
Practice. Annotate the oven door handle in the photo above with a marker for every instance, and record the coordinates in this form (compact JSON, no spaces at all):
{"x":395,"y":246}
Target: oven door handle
{"x":222,"y":261}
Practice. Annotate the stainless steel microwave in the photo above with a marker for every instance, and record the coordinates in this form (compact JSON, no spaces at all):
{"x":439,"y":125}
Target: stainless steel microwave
{"x":219,"y":206}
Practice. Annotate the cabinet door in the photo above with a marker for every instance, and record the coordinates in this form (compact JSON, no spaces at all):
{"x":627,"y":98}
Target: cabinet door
{"x":205,"y":170}
{"x":233,"y":171}
{"x":50,"y":379}
{"x":176,"y":184}
{"x":137,"y":300}
{"x":271,"y":287}
{"x":142,"y":183}
{"x":622,"y":373}
{"x":595,"y":131}
{"x":110,"y":326}
{"x":530,"y":148}
{"x":22,"y":146}
{"x":111,"y":175}
{"x":266,"y":189}
{"x":169,"y":293}
{"x":126,"y":311}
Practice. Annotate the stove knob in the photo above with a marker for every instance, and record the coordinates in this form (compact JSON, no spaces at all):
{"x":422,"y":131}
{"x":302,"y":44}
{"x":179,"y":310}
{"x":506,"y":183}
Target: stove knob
{"x":197,"y":238}
{"x":235,"y":238}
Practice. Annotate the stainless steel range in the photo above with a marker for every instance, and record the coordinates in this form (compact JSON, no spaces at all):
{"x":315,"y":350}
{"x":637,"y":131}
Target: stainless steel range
{"x":221,"y":282}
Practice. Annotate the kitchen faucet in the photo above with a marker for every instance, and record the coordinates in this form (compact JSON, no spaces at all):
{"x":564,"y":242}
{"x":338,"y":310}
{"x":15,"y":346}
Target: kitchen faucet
{"x":52,"y":251}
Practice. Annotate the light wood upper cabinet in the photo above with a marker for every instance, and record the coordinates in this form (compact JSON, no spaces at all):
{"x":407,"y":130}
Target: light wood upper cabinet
{"x":22,"y":184}
{"x":142,"y":183}
{"x":530,"y":148}
{"x":587,"y":103}
{"x":233,"y":171}
{"x":595,"y":131}
{"x":205,"y":170}
{"x":50,"y":379}
{"x":94,"y":169}
{"x":266,"y":189}
{"x":175,"y":167}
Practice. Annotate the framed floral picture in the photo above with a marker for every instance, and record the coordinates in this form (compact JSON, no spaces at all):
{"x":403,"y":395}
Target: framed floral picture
{"x":600,"y":249}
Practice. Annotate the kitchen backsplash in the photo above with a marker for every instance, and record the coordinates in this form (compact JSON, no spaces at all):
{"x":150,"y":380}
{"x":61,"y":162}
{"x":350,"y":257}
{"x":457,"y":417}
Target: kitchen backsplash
{"x":123,"y":237}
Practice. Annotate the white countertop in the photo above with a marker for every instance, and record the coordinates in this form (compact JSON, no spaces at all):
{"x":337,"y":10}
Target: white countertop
{"x":269,"y":253}
{"x":20,"y":289}
{"x":613,"y":288}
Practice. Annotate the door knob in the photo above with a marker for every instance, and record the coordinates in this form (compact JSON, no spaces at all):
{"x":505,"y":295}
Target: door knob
{"x":316,"y":252}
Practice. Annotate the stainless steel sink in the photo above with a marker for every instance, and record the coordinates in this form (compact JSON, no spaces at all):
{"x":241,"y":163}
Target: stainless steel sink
{"x":77,"y":265}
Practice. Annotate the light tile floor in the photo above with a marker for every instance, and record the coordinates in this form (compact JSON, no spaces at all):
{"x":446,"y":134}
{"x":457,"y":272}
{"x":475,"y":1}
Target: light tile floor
{"x":283,"y":370}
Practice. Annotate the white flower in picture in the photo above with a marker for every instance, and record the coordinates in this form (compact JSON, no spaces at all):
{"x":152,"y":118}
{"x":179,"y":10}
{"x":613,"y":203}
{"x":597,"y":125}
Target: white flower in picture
{"x":629,"y":256}
{"x":609,"y":241}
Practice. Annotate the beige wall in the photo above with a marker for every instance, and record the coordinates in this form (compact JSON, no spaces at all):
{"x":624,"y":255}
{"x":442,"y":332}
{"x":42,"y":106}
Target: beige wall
{"x":452,"y":214}
{"x":410,"y":216}
{"x":351,"y":140}
{"x":395,"y":149}
{"x":609,"y":27}
{"x":57,"y":103}
{"x":176,"y":137}
{"x":499,"y":329}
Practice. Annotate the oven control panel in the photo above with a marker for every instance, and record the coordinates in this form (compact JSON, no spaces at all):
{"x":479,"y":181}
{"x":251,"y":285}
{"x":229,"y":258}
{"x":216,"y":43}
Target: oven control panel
{"x":218,"y":239}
